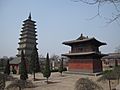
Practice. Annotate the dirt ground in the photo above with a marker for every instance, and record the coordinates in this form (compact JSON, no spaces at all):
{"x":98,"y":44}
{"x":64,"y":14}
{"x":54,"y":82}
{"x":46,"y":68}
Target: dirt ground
{"x":58,"y":82}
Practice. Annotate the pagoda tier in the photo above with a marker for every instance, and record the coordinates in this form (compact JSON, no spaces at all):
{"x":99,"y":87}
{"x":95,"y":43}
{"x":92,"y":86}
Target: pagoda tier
{"x":28,"y":38}
{"x":84,"y":55}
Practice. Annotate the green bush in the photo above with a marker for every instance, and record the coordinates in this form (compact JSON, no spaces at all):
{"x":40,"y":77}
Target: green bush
{"x":54,"y":70}
{"x":64,"y":69}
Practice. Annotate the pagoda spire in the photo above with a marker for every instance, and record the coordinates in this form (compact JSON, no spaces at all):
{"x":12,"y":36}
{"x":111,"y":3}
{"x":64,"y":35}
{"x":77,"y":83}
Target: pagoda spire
{"x":29,"y":16}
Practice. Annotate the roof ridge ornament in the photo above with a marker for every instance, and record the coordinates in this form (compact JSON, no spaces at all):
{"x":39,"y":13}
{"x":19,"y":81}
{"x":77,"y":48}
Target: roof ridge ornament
{"x":82,"y":37}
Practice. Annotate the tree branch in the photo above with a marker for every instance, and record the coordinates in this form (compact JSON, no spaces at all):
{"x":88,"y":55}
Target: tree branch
{"x":116,"y":3}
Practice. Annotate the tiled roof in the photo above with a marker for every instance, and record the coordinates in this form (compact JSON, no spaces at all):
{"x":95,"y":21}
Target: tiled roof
{"x":16,"y":60}
{"x":82,"y":40}
{"x":112,"y":56}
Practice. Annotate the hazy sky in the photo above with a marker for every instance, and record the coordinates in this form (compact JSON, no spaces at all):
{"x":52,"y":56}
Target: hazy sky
{"x":57,"y":21}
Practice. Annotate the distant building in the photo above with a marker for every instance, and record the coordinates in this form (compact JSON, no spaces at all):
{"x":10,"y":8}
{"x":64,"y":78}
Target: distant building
{"x":54,"y":64}
{"x":84,"y":55}
{"x":27,"y":42}
{"x":113,"y":59}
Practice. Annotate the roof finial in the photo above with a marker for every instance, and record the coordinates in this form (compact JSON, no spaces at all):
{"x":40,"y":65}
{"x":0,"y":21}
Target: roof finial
{"x":81,"y":35}
{"x":29,"y":16}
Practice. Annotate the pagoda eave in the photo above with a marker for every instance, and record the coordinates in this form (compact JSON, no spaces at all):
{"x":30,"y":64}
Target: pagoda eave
{"x":28,"y":27}
{"x":25,"y":48}
{"x":74,"y":54}
{"x":28,"y":20}
{"x":28,"y":38}
{"x":27,"y":42}
{"x":28,"y":30}
{"x":84,"y":54}
{"x":26,"y":55}
{"x":26,"y":24}
{"x":28,"y":33}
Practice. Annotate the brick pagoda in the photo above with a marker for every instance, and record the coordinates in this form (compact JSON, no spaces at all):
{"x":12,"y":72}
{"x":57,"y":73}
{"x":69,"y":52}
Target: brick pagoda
{"x":26,"y":43}
{"x":84,"y":55}
{"x":28,"y":38}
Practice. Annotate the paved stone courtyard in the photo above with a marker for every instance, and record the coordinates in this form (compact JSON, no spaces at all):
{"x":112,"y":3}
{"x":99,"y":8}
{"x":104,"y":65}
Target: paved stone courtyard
{"x":58,"y":82}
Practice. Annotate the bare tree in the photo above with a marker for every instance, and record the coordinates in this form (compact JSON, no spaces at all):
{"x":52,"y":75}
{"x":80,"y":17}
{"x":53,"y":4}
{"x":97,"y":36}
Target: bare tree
{"x":108,"y":75}
{"x":55,"y":57}
{"x":117,"y":49}
{"x":54,"y":60}
{"x":41,"y":56}
{"x":114,"y":15}
{"x":116,"y":72}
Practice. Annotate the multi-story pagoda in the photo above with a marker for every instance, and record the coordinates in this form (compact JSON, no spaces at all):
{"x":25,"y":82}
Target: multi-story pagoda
{"x":84,"y":55}
{"x":28,"y":38}
{"x":27,"y":43}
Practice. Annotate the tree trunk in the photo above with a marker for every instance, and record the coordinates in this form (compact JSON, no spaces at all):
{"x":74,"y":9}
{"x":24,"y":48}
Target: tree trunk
{"x":20,"y":88}
{"x":61,"y":73}
{"x":109,"y":84}
{"x":116,"y":62}
{"x":118,"y":81}
{"x":47,"y":80}
{"x":34,"y":75}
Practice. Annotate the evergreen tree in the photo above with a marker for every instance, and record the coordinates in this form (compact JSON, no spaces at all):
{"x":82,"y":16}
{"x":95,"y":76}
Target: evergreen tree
{"x":2,"y":81}
{"x":23,"y":69}
{"x":34,"y":63}
{"x":61,"y":69}
{"x":7,"y":68}
{"x":47,"y":71}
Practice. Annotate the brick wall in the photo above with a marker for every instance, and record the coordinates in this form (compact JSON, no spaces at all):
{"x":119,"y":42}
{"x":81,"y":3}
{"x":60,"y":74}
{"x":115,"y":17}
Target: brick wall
{"x":85,"y":65}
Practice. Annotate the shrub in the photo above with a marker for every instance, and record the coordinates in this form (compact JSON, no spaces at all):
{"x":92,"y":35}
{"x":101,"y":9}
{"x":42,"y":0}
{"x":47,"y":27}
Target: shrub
{"x":14,"y":71}
{"x":64,"y":69}
{"x":20,"y":84}
{"x":54,"y":70}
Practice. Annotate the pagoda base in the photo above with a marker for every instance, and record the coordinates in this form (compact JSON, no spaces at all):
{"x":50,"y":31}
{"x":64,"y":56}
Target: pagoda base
{"x":84,"y":73}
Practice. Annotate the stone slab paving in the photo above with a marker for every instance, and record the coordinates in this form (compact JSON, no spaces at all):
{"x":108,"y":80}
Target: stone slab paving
{"x":58,"y":82}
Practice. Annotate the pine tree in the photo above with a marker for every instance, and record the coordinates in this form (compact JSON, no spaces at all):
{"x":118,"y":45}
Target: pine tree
{"x":47,"y":71}
{"x":61,"y":69}
{"x":7,"y":68}
{"x":34,"y":63}
{"x":23,"y":69}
